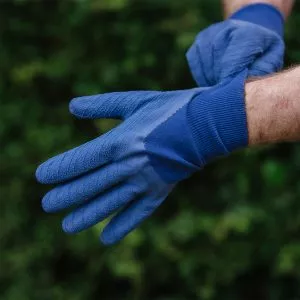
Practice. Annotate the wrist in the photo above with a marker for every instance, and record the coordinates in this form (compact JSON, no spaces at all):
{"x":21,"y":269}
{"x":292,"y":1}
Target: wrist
{"x":217,"y":118}
{"x":263,"y":14}
{"x":273,"y":108}
{"x":256,"y":107}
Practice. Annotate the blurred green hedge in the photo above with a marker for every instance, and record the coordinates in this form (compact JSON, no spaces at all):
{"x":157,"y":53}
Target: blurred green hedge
{"x":230,"y":232}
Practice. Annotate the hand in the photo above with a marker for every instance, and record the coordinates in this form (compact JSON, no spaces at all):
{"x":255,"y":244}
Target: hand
{"x":250,"y":39}
{"x":164,"y":138}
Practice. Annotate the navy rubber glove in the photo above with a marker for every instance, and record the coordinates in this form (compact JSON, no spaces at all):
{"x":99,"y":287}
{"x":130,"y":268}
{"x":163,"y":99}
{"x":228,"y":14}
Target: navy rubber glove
{"x":251,"y":38}
{"x":164,"y":138}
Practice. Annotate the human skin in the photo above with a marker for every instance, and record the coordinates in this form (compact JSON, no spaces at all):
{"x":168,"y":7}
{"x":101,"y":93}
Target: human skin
{"x":273,"y":107}
{"x":231,"y":6}
{"x":272,"y":102}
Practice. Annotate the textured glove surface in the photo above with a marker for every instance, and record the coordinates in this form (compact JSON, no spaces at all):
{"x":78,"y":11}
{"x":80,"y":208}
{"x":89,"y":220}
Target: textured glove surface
{"x":250,"y":39}
{"x":164,"y":138}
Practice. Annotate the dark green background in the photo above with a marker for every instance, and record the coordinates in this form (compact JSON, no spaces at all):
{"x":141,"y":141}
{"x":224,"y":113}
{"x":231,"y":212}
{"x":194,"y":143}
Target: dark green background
{"x":230,"y":232}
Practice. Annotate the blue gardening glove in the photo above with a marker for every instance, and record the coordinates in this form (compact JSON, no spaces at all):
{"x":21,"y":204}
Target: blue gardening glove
{"x":251,"y":38}
{"x":164,"y":138}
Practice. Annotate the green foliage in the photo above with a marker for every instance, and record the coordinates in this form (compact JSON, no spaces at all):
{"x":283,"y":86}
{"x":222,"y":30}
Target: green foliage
{"x":230,"y":232}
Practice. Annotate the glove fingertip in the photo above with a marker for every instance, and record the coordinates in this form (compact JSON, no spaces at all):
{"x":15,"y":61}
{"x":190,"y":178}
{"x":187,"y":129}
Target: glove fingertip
{"x":41,"y":174}
{"x":67,"y":226}
{"x":46,"y":206}
{"x":107,"y":239}
{"x":45,"y":173}
{"x":75,"y":107}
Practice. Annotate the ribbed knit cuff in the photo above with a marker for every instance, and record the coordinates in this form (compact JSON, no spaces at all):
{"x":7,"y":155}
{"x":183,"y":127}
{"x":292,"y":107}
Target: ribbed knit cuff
{"x":262,"y":14}
{"x":218,"y":120}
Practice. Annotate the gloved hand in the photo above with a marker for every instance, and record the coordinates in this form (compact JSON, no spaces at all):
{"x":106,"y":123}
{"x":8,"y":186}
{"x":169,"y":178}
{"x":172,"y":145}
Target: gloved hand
{"x":164,"y":138}
{"x":251,"y":38}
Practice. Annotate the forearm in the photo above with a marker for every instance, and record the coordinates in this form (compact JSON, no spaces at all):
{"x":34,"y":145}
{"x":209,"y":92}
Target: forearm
{"x":231,"y":6}
{"x":273,"y":108}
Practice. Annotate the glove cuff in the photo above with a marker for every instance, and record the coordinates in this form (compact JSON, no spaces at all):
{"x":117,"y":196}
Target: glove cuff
{"x":262,"y":14}
{"x":218,"y":120}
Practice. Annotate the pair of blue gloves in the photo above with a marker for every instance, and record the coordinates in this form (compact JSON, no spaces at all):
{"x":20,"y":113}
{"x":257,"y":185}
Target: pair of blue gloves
{"x":164,"y":137}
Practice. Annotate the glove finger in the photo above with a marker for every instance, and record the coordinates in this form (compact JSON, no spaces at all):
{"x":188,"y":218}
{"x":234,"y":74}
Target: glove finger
{"x":260,"y":52}
{"x":86,"y":187}
{"x":271,"y":60}
{"x":79,"y":160}
{"x":100,"y":208}
{"x":118,"y":105}
{"x":197,"y":67}
{"x":203,"y":69}
{"x":129,"y":218}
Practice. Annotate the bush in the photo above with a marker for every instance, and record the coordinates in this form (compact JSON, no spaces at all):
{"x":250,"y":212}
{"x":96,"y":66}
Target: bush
{"x":230,"y":232}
